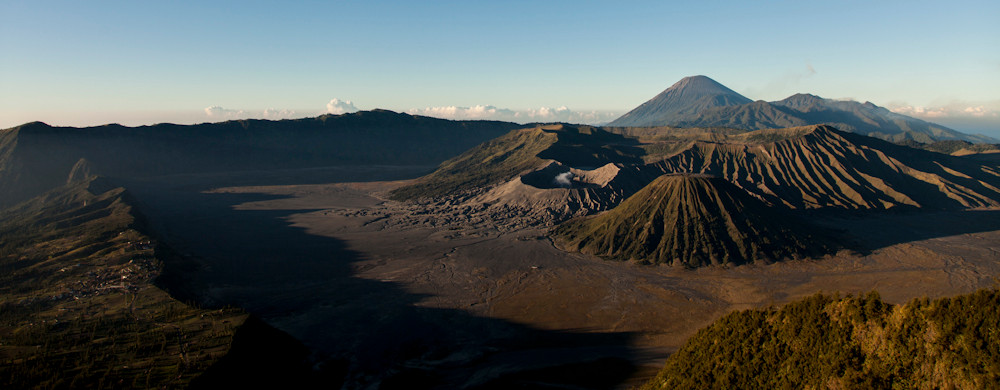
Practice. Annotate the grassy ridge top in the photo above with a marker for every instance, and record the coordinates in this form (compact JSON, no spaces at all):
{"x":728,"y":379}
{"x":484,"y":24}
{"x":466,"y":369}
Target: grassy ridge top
{"x":846,"y":343}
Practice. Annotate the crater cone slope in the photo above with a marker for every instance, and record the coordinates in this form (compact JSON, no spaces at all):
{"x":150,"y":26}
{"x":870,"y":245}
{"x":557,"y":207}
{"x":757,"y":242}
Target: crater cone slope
{"x":691,"y":220}
{"x":559,"y":170}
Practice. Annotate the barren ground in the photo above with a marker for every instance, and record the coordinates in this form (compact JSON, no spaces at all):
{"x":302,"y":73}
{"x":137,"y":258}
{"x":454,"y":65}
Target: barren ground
{"x":345,"y":271}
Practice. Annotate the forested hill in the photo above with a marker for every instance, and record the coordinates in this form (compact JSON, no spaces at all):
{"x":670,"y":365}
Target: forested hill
{"x":846,"y":343}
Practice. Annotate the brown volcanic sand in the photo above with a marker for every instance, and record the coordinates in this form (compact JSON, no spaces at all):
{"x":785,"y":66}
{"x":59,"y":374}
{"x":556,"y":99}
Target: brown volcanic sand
{"x":465,"y":263}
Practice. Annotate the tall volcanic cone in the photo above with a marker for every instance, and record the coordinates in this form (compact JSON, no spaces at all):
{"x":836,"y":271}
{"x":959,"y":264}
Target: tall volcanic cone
{"x":682,"y":101}
{"x":691,"y":220}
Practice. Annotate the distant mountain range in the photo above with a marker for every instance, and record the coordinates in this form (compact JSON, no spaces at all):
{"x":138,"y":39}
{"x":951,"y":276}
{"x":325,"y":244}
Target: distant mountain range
{"x":699,"y":101}
{"x":36,"y":157}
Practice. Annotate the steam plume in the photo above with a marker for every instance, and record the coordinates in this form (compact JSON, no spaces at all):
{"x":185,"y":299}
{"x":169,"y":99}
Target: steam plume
{"x":564,"y":179}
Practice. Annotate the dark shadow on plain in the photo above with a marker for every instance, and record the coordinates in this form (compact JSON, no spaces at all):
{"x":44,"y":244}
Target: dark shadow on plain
{"x":866,"y":231}
{"x":360,"y":332}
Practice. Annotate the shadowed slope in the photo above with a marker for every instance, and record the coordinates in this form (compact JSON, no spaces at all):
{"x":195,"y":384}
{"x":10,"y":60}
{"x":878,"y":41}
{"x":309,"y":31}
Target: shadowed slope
{"x":818,"y":167}
{"x":691,"y":221}
{"x":79,"y":309}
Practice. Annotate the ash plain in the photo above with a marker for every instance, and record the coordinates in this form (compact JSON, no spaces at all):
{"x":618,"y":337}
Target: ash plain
{"x":453,"y":294}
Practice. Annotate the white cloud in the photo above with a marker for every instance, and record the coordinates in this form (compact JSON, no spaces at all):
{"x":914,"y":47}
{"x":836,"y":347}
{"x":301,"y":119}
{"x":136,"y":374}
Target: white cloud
{"x":543,"y":114}
{"x":218,"y":112}
{"x":955,"y":109}
{"x":272,"y":113}
{"x":979,"y":111}
{"x":464,"y":113}
{"x":337,"y":107}
{"x":919,"y":112}
{"x":981,"y":117}
{"x":223,"y":113}
{"x":479,"y":112}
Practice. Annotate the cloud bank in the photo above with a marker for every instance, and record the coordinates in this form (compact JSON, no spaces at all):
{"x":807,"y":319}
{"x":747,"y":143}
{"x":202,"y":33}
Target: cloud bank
{"x":220,"y":113}
{"x":480,"y":112}
{"x":979,"y":117}
{"x":952,"y":110}
{"x":337,"y":107}
{"x":543,"y":114}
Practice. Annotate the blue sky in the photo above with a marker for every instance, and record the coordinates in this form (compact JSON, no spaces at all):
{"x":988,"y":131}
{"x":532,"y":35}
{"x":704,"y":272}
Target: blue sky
{"x":138,"y":62}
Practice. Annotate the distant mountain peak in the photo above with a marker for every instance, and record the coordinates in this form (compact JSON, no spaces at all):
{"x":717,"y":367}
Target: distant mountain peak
{"x":680,"y":101}
{"x":694,"y":80}
{"x":699,"y":86}
{"x":804,"y":96}
{"x":801,"y":100}
{"x":700,"y":82}
{"x":33,"y":125}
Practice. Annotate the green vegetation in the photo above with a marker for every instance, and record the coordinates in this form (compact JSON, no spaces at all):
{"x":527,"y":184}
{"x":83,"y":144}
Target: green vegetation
{"x":846,"y":343}
{"x":78,"y":308}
